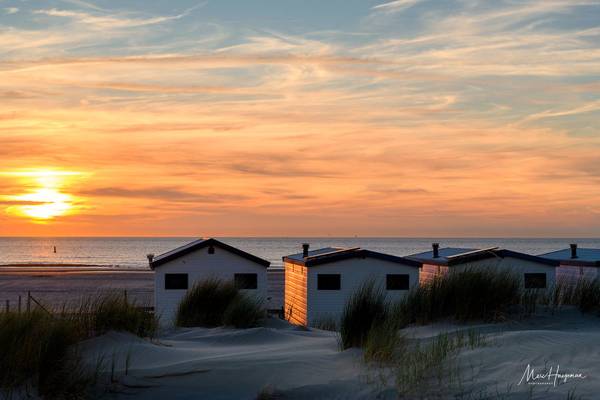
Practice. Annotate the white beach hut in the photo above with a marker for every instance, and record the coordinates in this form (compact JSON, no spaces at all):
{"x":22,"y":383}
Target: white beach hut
{"x":576,"y":263}
{"x":177,"y":270}
{"x":536,"y":272}
{"x":318,"y":283}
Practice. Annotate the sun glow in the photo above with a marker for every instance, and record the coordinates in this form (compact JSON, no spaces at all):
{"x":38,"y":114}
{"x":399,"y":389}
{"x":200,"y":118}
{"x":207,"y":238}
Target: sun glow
{"x":45,"y":198}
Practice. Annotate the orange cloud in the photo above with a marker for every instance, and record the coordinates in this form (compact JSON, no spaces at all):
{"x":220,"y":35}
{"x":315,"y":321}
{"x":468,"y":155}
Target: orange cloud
{"x":481,"y":132}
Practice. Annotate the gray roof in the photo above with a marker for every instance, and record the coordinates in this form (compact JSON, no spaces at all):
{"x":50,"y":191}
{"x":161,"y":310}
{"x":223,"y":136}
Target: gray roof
{"x":318,"y":252}
{"x":177,"y":250}
{"x":199,"y":244}
{"x":588,"y":256}
{"x":332,"y":254}
{"x":444,"y":254}
{"x":456,"y":256}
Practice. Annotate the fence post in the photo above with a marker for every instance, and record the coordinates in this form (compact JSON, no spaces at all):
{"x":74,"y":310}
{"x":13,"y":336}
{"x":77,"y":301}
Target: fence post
{"x":7,"y":305}
{"x":125,"y":295}
{"x":19,"y":305}
{"x":28,"y":301}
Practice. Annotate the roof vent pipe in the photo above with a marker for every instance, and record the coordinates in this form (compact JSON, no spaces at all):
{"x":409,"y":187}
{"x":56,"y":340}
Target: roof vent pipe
{"x":573,"y":250}
{"x":150,"y":258}
{"x":436,"y":250}
{"x":305,"y":247}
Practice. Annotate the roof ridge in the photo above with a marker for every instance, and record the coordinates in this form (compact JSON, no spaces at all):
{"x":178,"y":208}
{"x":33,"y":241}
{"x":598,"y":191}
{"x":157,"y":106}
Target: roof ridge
{"x":471,"y":252}
{"x":176,"y":249}
{"x":339,"y":250}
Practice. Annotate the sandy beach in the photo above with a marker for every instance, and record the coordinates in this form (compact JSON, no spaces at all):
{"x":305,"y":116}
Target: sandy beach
{"x":56,"y":285}
{"x":223,"y":363}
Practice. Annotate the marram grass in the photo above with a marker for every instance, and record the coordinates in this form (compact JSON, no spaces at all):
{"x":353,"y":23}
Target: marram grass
{"x":213,"y":302}
{"x":38,"y":350}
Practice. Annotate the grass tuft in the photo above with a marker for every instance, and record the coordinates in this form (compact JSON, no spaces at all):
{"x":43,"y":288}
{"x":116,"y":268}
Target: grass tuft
{"x":429,"y":366}
{"x":474,"y":294}
{"x":38,"y":349}
{"x":98,"y":315}
{"x":213,"y":303}
{"x":365,"y":309}
{"x":205,"y":303}
{"x":584,"y":294}
{"x":37,"y":352}
{"x":244,"y":312}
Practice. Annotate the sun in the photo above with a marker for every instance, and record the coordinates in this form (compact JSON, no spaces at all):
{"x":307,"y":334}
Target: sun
{"x":45,"y":197}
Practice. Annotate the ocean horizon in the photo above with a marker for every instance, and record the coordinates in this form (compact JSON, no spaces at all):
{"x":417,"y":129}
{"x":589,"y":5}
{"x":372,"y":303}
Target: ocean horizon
{"x":130,"y":252}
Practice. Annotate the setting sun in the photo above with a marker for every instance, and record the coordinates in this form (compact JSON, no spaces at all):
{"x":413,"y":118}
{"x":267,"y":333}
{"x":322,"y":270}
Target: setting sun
{"x":44,"y":198}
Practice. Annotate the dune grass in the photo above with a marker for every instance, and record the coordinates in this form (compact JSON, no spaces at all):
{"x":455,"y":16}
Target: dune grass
{"x":384,"y":342}
{"x":244,"y":312}
{"x":584,"y":294}
{"x":112,"y":311}
{"x":38,"y":352}
{"x":473,"y":294}
{"x":213,"y":302}
{"x":428,"y":368}
{"x":365,"y":309}
{"x":205,"y":303}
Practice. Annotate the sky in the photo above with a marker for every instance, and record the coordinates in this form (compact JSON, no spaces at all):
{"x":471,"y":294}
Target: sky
{"x":300,"y":118}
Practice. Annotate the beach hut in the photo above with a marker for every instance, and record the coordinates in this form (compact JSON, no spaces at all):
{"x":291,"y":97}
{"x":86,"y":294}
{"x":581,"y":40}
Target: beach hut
{"x":576,"y":263}
{"x":319,"y":282}
{"x":536,"y":272}
{"x":177,"y":270}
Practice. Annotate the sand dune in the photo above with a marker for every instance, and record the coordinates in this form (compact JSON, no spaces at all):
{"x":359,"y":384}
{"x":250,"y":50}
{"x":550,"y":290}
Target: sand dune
{"x":198,"y":363}
{"x":234,"y":364}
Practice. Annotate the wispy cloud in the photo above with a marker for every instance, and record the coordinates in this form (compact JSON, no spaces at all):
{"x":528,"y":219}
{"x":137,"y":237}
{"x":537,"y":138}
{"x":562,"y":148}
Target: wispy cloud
{"x":591,"y":106}
{"x":395,"y":6}
{"x":401,"y":124}
{"x":11,"y":10}
{"x":109,"y":21}
{"x":170,"y":194}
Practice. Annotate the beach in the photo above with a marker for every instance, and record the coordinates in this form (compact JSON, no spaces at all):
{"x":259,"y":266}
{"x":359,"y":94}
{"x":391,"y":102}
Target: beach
{"x":58,"y":285}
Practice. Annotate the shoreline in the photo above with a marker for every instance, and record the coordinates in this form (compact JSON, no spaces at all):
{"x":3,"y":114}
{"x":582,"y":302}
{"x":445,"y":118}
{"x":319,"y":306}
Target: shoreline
{"x":36,"y":269}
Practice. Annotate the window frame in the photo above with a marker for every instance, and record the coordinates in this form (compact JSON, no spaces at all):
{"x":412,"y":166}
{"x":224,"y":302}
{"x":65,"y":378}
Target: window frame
{"x":177,"y":275}
{"x":240,"y":275}
{"x":403,"y":276}
{"x":529,"y":276}
{"x":320,"y":283}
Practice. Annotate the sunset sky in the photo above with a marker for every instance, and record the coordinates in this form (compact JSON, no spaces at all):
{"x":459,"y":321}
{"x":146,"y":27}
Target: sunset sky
{"x":291,"y":118}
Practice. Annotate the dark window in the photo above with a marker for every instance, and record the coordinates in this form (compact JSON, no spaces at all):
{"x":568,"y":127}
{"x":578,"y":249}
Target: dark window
{"x":176,"y":281}
{"x":396,"y":282}
{"x":245,"y":281}
{"x":535,"y":281}
{"x":328,"y":282}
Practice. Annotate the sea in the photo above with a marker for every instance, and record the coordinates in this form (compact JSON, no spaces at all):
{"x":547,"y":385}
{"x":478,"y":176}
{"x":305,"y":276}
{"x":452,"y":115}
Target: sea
{"x":130,"y":252}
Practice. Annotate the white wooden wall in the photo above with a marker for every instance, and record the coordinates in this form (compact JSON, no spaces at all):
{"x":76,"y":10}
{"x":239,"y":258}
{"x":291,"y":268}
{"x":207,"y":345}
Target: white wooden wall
{"x":323,"y":304}
{"x":199,"y":265}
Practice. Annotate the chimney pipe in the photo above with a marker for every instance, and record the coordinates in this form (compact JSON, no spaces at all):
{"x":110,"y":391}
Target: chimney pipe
{"x":305,"y":247}
{"x":573,"y":250}
{"x":436,"y":250}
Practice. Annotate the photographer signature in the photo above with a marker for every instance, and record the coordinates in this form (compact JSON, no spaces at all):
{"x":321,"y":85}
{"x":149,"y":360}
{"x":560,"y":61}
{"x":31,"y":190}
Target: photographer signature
{"x":550,"y":376}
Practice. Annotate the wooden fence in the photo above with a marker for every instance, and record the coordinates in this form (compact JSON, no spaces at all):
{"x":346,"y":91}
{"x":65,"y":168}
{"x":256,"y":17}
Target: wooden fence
{"x":29,"y":302}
